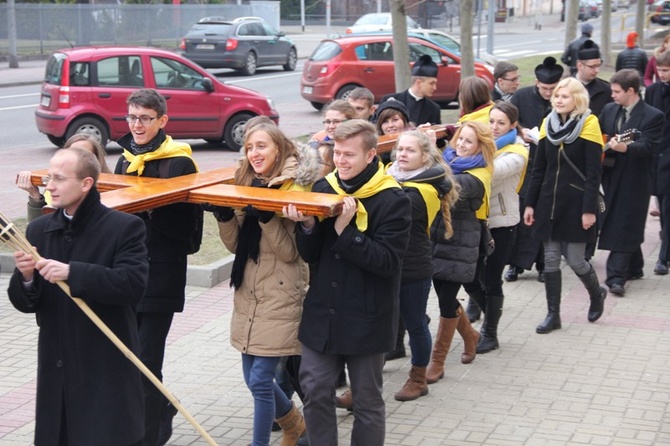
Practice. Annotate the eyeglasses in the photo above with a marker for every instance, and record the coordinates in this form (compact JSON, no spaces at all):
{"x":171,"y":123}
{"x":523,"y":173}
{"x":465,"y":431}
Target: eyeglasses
{"x":58,"y":179}
{"x":512,"y":79}
{"x":334,"y":121}
{"x":144,"y":119}
{"x":593,"y":67}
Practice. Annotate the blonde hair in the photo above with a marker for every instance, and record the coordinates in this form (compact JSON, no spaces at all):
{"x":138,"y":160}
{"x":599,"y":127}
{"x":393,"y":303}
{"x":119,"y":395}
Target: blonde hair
{"x":434,"y":158}
{"x":486,"y":143}
{"x":245,"y":174}
{"x":342,"y":106}
{"x":578,"y":92}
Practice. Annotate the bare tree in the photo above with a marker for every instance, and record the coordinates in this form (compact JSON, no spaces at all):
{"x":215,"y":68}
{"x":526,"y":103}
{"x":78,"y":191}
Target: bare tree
{"x":640,"y":17}
{"x":571,"y":19}
{"x":606,"y":34}
{"x":467,"y":51}
{"x":400,"y":46}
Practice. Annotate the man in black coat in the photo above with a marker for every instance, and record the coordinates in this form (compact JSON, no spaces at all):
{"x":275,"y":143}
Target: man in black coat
{"x":570,"y":56}
{"x":149,"y":152}
{"x":626,"y":177}
{"x":421,"y":108}
{"x":658,"y":96}
{"x":533,"y":104}
{"x":88,"y":393}
{"x":507,"y":80}
{"x":350,"y":313}
{"x":588,"y":66}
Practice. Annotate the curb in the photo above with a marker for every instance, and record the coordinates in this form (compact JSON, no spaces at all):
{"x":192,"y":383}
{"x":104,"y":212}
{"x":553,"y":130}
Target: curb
{"x":205,"y":276}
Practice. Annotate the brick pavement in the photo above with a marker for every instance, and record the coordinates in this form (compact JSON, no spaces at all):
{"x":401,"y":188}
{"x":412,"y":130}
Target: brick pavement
{"x":606,"y":383}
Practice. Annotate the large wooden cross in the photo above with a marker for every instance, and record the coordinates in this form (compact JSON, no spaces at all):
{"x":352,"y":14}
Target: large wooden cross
{"x":134,"y":194}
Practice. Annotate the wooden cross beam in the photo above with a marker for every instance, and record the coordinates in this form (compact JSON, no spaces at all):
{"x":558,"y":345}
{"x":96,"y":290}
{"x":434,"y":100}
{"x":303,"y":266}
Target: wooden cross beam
{"x":134,"y":194}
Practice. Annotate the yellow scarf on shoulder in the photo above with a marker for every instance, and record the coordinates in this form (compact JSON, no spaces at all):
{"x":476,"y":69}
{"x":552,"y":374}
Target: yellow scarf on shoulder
{"x":379,"y":181}
{"x":519,"y":149}
{"x":481,"y":115}
{"x":169,"y":149}
{"x":430,"y":197}
{"x":485,"y":175}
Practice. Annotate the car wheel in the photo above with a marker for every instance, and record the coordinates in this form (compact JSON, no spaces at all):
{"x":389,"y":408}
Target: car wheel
{"x":317,"y":105}
{"x":345,"y":91}
{"x":233,"y":134}
{"x":58,"y":142}
{"x":292,"y":60}
{"x":91,"y":126}
{"x":250,"y":66}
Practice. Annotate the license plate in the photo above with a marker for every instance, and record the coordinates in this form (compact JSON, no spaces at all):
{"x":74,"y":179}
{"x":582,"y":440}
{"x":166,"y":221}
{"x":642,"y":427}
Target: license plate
{"x":307,"y":90}
{"x":205,"y":46}
{"x":45,"y":101}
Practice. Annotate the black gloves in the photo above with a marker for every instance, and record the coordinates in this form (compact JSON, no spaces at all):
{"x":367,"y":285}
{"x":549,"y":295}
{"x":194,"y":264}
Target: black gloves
{"x":263,"y":216}
{"x":221,"y":213}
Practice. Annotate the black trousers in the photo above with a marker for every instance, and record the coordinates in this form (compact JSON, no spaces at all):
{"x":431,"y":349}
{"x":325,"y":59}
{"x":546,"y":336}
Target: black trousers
{"x":623,"y":265}
{"x":664,"y":207}
{"x":495,"y":263}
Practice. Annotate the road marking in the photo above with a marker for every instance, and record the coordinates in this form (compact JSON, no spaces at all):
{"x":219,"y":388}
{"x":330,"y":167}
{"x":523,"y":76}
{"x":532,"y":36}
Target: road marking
{"x":18,"y":107}
{"x":272,"y":76}
{"x":19,"y":95}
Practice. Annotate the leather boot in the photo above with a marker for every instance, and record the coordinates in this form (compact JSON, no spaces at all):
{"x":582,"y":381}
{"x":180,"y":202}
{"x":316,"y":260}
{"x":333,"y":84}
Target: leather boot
{"x":597,"y":294}
{"x":470,"y":338}
{"x":345,"y":400}
{"x":552,"y":286}
{"x":476,"y":303}
{"x":415,"y":386}
{"x":512,"y":273}
{"x":399,"y":350}
{"x":441,"y":345}
{"x":489,"y":332}
{"x":293,"y":426}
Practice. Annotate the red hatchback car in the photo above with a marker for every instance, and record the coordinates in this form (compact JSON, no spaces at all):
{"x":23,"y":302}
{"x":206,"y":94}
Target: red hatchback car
{"x":339,"y":65}
{"x":85,"y":90}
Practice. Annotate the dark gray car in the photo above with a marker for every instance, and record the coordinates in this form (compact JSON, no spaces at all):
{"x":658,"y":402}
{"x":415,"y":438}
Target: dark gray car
{"x":244,"y":44}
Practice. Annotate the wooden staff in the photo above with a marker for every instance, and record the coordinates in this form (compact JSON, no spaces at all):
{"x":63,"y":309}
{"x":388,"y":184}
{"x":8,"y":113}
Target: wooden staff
{"x":17,"y":242}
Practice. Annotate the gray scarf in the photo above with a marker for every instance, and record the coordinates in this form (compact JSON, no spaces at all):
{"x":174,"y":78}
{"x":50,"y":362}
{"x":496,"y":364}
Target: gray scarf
{"x":564,"y":133}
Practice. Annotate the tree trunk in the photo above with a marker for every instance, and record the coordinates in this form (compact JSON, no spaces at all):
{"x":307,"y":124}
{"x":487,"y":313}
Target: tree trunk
{"x":467,"y":51}
{"x":571,"y":19}
{"x":606,"y":34}
{"x":400,"y":45}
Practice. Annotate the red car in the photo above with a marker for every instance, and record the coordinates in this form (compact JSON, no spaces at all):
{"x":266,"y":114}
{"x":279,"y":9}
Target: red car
{"x":339,"y":65}
{"x":85,"y":90}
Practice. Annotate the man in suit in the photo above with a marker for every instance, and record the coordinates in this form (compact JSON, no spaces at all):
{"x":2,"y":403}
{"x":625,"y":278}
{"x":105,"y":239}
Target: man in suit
{"x":658,"y":95}
{"x":416,"y":98}
{"x":626,"y":177}
{"x":507,"y":80}
{"x":588,"y":66}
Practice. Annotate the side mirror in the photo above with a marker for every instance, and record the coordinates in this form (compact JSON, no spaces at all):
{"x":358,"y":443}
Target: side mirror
{"x":445,"y":61}
{"x":281,"y":34}
{"x":207,"y":84}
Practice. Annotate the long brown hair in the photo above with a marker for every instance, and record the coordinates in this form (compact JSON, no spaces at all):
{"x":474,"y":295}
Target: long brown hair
{"x":245,"y":174}
{"x":98,"y":150}
{"x":473,"y":93}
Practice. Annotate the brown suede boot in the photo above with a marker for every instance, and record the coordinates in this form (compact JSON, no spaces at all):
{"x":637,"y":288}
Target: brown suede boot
{"x":470,"y":338}
{"x":415,"y":386}
{"x":345,"y":400}
{"x":293,"y":426}
{"x":441,"y":345}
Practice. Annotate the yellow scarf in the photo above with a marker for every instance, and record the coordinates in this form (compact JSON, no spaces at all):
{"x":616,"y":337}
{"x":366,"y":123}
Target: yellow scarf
{"x":481,"y":115}
{"x":521,"y":150}
{"x":169,"y":149}
{"x":379,"y":181}
{"x":430,"y":197}
{"x":485,"y":175}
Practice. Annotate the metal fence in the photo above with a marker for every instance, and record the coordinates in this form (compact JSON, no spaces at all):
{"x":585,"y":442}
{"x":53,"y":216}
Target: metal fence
{"x":42,"y":28}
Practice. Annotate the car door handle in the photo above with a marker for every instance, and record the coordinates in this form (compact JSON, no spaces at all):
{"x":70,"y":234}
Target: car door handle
{"x":167,"y":96}
{"x":369,"y":70}
{"x":104,"y":95}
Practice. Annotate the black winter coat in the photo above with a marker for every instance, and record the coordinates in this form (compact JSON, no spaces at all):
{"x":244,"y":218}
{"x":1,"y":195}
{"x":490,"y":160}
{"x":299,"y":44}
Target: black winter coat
{"x":169,"y":231}
{"x":455,"y":259}
{"x":571,"y":53}
{"x":418,"y":260}
{"x":627,"y":178}
{"x":600,"y":94}
{"x":352,"y":304}
{"x":78,"y":367}
{"x":420,"y":112}
{"x":658,"y":96}
{"x":558,"y":194}
{"x":635,"y":58}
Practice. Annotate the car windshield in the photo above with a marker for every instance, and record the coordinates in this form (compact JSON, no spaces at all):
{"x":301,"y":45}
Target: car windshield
{"x":326,"y":51}
{"x":372,"y":19}
{"x":445,"y":42}
{"x":210,"y":29}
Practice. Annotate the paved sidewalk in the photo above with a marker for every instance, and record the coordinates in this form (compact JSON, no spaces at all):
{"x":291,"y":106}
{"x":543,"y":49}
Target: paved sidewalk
{"x":606,"y":383}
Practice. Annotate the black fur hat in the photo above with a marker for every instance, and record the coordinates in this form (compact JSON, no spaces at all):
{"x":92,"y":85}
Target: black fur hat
{"x":425,"y":67}
{"x":588,"y":51}
{"x":549,"y":72}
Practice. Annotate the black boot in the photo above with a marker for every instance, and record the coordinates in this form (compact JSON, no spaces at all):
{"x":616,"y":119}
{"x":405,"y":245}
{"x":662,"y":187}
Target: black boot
{"x":476,"y":302}
{"x":399,"y":350}
{"x":597,"y":294}
{"x":489,"y":332}
{"x":552,"y":286}
{"x":512,"y":273}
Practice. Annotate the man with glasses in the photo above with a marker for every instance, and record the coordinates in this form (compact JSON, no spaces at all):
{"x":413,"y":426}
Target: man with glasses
{"x":87,"y":391}
{"x":507,"y":81}
{"x":588,"y":67}
{"x":149,"y":152}
{"x":533,"y":104}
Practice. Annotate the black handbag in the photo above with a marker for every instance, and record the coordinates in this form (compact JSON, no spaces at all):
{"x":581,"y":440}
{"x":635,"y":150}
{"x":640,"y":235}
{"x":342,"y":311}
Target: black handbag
{"x":487,"y":244}
{"x":601,"y":197}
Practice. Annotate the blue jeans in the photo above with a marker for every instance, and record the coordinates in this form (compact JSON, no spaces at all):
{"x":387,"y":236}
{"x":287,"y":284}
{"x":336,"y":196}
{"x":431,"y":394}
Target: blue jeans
{"x":413,"y":302}
{"x":270,"y":401}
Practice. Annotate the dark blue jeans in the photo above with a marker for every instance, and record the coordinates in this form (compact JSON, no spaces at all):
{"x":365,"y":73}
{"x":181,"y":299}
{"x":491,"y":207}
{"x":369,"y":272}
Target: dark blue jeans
{"x":413,"y":302}
{"x":270,"y":401}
